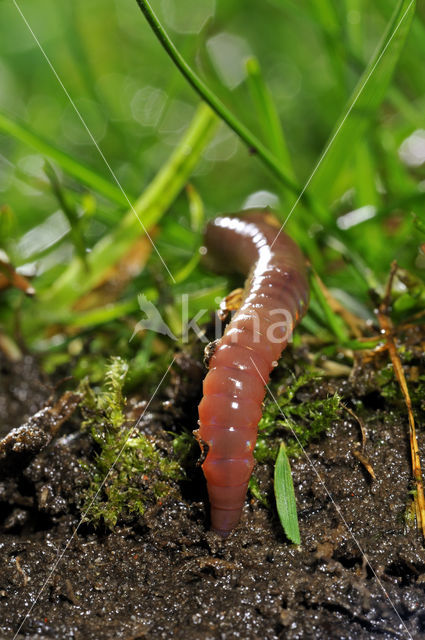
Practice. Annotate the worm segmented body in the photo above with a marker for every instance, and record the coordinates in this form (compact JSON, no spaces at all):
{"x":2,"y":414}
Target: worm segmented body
{"x":274,"y":299}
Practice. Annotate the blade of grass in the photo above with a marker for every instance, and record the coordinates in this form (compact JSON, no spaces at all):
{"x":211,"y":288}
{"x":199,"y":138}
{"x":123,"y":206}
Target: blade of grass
{"x":185,"y":271}
{"x":354,"y":27}
{"x":309,"y":324}
{"x":405,"y":107}
{"x":335,"y":323}
{"x":196,"y":208}
{"x":366,"y":98}
{"x":71,"y":166}
{"x":326,"y":15}
{"x":254,"y":145}
{"x":268,"y":115}
{"x":197,"y":217}
{"x":354,"y":258}
{"x":365,"y":168}
{"x":80,"y":55}
{"x":285,"y":496}
{"x":76,"y":232}
{"x":103,"y":315}
{"x":150,"y":206}
{"x":275,"y":138}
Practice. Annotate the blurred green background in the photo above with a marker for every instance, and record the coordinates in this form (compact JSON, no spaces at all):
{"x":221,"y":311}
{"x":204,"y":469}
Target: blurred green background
{"x":369,"y":190}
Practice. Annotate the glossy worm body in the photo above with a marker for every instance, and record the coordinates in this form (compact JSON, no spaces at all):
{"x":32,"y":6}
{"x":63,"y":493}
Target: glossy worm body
{"x":274,"y":299}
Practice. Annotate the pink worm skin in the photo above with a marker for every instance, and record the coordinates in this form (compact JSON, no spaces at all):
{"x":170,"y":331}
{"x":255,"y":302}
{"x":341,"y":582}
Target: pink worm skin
{"x":253,"y":341}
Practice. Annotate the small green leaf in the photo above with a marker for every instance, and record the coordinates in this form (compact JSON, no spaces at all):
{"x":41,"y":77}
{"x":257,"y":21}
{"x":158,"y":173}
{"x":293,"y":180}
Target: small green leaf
{"x":285,"y":496}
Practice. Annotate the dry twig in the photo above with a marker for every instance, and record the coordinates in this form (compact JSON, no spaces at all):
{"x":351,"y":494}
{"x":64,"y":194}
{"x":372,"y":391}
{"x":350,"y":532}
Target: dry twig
{"x":360,"y":455}
{"x":387,"y":329}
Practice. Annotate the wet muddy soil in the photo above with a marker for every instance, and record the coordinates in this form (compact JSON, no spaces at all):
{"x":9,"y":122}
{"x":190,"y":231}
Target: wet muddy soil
{"x":359,"y":572}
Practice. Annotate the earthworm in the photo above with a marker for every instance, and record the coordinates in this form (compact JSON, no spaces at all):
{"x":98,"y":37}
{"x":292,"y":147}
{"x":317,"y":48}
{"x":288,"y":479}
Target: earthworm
{"x":273,"y":301}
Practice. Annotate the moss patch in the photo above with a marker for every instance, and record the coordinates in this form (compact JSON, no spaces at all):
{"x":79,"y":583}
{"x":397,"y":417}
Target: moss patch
{"x":129,"y":472}
{"x":295,"y":420}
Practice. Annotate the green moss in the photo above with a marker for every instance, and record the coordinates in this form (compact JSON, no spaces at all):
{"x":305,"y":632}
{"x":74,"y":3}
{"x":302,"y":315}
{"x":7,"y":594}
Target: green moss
{"x":183,"y":446}
{"x":129,"y":473}
{"x":288,"y":416}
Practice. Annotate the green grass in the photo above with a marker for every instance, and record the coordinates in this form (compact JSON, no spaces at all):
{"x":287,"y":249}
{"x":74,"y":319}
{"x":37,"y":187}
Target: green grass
{"x":361,"y":157}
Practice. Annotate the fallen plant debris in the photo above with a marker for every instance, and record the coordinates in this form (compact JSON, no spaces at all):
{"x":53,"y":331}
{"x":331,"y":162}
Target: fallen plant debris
{"x":387,"y":329}
{"x":9,"y":277}
{"x":23,"y":443}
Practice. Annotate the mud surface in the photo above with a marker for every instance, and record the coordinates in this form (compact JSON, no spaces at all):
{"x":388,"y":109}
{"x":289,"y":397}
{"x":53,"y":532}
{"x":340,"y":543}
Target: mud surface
{"x":23,"y":391}
{"x":359,"y":573}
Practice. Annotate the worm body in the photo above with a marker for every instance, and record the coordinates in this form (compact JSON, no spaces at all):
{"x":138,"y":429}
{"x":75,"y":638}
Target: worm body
{"x":274,"y":299}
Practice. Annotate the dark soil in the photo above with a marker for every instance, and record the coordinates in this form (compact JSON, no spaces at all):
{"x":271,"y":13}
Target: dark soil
{"x":359,"y":572}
